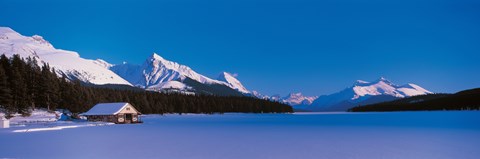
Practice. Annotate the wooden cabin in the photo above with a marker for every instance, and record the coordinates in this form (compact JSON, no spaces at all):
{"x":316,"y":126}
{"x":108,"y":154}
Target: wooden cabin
{"x":119,"y":113}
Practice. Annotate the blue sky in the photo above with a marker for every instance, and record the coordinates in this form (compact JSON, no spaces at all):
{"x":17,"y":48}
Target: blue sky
{"x":275,"y":46}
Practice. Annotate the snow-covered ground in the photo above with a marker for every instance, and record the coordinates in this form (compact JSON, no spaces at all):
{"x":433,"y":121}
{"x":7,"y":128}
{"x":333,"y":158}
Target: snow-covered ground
{"x":42,"y":120}
{"x":405,"y":135}
{"x":37,"y":116}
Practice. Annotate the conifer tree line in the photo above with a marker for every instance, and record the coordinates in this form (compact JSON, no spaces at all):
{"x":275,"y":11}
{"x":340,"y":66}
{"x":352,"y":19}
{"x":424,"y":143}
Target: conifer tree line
{"x":463,"y":100}
{"x":24,"y":86}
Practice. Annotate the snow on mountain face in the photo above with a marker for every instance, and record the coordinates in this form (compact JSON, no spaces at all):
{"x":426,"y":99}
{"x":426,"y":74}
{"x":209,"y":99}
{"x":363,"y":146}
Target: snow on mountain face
{"x":259,"y":95}
{"x":103,"y":63}
{"x":156,"y":71}
{"x":232,"y":82}
{"x":67,"y":63}
{"x":130,"y":72}
{"x":160,"y":70}
{"x":384,"y":87}
{"x":366,"y":93}
{"x":293,"y":99}
{"x":298,"y":99}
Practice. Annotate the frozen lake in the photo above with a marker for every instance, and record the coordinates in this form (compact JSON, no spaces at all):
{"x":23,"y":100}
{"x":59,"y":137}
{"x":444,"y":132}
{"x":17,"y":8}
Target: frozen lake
{"x":406,"y":135}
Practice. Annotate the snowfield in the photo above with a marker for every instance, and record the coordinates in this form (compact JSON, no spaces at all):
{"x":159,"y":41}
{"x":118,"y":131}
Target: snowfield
{"x":42,"y":120}
{"x":403,"y":135}
{"x":68,"y":63}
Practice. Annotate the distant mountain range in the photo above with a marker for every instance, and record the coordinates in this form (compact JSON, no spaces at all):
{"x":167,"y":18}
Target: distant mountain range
{"x":293,"y":99}
{"x":363,"y":93}
{"x":463,"y":100}
{"x":159,"y":74}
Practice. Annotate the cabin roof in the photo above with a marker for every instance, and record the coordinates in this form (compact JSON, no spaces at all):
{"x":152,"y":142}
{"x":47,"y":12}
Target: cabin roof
{"x":106,"y":109}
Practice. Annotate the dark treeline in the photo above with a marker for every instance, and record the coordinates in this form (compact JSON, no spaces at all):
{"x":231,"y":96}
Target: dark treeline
{"x":25,"y":86}
{"x":464,"y":100}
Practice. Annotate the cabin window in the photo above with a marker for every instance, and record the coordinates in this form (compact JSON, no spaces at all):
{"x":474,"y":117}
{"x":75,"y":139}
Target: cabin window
{"x":128,"y":108}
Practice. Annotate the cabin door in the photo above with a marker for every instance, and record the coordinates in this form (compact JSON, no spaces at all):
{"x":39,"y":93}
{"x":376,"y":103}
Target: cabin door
{"x":128,"y":118}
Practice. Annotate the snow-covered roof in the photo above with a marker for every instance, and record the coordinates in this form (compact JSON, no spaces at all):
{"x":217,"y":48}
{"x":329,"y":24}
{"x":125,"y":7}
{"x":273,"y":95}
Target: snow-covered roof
{"x":106,"y":109}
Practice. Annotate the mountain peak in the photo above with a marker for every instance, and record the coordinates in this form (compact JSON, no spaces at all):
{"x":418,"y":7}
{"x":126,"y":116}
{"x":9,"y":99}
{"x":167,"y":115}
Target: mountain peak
{"x":232,"y":81}
{"x":7,"y":30}
{"x":156,"y":56}
{"x":66,"y":63}
{"x":298,"y":99}
{"x":103,"y":63}
{"x":363,"y":93}
{"x":156,"y":61}
{"x":230,"y":75}
{"x":295,"y":94}
{"x":361,"y":82}
{"x":8,"y":33}
{"x":383,"y":79}
{"x":383,"y":86}
{"x":39,"y":39}
{"x":366,"y":83}
{"x":157,"y":70}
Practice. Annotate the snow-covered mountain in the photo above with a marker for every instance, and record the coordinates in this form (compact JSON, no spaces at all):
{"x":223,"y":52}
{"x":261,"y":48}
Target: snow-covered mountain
{"x":65,"y":62}
{"x":158,"y":74}
{"x":233,"y":82}
{"x":294,"y":99}
{"x":157,"y":70}
{"x":259,"y":95}
{"x":383,"y":86}
{"x":362,"y":93}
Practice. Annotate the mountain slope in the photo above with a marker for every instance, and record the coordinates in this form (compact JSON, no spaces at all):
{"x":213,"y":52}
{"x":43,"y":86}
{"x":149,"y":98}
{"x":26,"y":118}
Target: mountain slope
{"x":362,"y":93}
{"x":66,"y":63}
{"x":211,"y":89}
{"x":464,"y":100}
{"x":232,"y":82}
{"x":295,"y":99}
{"x":159,"y":74}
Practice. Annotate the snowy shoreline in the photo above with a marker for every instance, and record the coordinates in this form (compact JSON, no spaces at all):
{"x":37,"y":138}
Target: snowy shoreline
{"x":41,"y":120}
{"x":412,"y":135}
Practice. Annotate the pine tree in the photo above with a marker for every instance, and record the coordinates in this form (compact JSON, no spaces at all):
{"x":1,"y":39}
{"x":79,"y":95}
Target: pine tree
{"x":32,"y":80}
{"x":54,"y":91}
{"x":47,"y":88}
{"x":5,"y":62}
{"x":19,"y":87}
{"x":24,"y":85}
